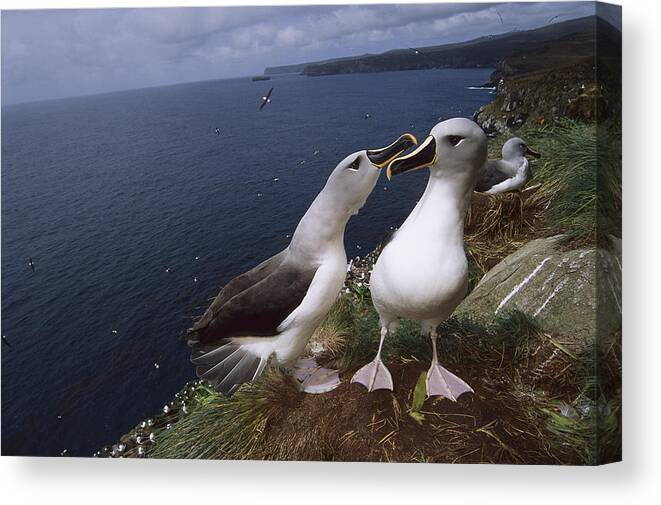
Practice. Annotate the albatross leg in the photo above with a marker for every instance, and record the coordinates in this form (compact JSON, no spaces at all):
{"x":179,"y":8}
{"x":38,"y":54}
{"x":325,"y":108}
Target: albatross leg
{"x":441,"y":382}
{"x":375,"y":375}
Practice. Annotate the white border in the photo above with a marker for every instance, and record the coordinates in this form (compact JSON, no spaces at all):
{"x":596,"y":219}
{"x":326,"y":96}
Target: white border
{"x":23,"y":480}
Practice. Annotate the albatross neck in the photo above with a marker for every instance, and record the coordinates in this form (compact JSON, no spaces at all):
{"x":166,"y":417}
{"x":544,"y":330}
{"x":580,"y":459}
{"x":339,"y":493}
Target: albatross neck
{"x":322,"y":227}
{"x":441,"y":211}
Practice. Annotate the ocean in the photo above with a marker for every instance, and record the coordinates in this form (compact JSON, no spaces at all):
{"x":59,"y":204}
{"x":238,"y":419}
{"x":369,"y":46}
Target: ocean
{"x":135,"y":213}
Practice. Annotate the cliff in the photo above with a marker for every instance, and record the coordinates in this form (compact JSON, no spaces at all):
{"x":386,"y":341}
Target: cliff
{"x":576,"y":77}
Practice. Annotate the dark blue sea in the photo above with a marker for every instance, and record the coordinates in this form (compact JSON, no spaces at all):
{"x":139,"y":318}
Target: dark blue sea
{"x":105,"y":192}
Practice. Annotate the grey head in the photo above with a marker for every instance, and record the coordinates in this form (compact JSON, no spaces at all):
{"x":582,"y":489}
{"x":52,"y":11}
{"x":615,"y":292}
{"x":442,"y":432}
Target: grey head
{"x":354,"y":178}
{"x":455,"y":149}
{"x":516,"y":148}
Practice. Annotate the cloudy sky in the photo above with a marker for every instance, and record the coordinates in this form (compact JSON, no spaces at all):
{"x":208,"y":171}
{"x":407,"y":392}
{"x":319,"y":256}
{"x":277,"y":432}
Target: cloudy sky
{"x":58,"y":53}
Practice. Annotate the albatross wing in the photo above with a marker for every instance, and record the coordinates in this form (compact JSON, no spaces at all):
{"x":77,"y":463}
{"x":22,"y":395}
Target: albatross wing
{"x":490,"y":176}
{"x":236,"y":286}
{"x":273,"y":290}
{"x":258,"y":310}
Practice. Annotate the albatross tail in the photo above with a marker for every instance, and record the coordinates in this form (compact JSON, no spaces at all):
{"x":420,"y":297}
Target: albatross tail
{"x":226,"y":364}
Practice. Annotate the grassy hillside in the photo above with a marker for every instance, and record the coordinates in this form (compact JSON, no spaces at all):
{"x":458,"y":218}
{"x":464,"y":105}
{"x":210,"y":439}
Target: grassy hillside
{"x":537,"y":399}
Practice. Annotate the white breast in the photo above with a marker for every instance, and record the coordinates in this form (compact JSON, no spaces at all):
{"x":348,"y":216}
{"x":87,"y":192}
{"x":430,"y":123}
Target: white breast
{"x":419,"y":279}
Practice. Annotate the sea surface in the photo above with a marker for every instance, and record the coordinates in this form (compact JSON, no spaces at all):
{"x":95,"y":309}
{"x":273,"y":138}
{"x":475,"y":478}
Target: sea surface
{"x":106,"y":192}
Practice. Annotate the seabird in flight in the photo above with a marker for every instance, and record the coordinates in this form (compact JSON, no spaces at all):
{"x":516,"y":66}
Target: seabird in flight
{"x":266,"y":99}
{"x":422,"y":272}
{"x":217,"y":131}
{"x":273,"y":309}
{"x":509,"y":174}
{"x":31,"y":263}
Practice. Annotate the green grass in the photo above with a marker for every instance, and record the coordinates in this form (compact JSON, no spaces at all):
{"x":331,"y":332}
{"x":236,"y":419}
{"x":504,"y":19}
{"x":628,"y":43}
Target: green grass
{"x":216,"y":427}
{"x":580,"y":173}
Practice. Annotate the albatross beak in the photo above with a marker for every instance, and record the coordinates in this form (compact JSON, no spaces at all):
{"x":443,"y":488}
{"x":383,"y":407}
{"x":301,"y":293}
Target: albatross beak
{"x":532,"y":152}
{"x":381,"y":157}
{"x":423,"y":156}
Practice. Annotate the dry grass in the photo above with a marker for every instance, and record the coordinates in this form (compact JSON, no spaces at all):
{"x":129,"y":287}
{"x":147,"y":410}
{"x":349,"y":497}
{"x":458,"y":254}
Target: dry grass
{"x":500,"y":224}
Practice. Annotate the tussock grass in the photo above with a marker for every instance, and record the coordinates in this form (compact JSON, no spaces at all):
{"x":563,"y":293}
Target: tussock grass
{"x":220,"y":428}
{"x":519,"y":413}
{"x":332,"y":335}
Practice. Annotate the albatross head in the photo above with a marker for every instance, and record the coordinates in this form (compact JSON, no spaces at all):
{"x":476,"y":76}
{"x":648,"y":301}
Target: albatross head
{"x":456,"y":148}
{"x":355,"y":176}
{"x":515,"y":148}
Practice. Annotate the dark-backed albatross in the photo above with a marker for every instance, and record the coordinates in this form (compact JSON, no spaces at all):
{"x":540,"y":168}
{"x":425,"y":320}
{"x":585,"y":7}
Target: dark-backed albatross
{"x":275,"y":308}
{"x":422,"y":272}
{"x":509,"y":174}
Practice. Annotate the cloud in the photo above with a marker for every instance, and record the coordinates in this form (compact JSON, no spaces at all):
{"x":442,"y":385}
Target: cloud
{"x":48,"y":54}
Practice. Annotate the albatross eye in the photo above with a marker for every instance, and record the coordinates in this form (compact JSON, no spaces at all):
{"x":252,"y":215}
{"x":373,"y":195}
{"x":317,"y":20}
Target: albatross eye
{"x":355,"y":165}
{"x":455,"y":139}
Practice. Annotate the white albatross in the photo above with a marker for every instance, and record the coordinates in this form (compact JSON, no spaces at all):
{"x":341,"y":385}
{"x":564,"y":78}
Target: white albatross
{"x":422,"y":272}
{"x":275,"y":308}
{"x":509,"y":174}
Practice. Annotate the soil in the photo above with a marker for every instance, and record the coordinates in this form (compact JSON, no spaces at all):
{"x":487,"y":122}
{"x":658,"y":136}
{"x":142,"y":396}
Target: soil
{"x":354,"y":425}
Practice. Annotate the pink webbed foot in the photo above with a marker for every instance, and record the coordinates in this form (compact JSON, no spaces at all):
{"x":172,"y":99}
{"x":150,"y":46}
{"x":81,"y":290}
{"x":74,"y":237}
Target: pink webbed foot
{"x":441,"y":382}
{"x":314,"y":379}
{"x":374,"y":376}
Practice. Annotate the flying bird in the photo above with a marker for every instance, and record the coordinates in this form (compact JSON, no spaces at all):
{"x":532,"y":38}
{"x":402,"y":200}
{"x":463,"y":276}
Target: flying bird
{"x":422,"y":271}
{"x":217,"y":131}
{"x":511,"y":173}
{"x":273,"y":309}
{"x":266,"y":99}
{"x":31,"y":263}
{"x":5,"y":341}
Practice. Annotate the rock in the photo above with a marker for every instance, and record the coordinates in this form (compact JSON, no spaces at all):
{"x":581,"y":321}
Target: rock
{"x":574,"y":293}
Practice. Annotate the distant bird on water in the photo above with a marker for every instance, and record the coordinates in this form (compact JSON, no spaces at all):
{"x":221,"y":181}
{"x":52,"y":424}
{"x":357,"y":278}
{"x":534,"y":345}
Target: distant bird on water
{"x":422,"y":272}
{"x":217,"y":131}
{"x":31,"y":263}
{"x":275,"y":308}
{"x":509,"y":174}
{"x":266,"y":99}
{"x":5,"y":341}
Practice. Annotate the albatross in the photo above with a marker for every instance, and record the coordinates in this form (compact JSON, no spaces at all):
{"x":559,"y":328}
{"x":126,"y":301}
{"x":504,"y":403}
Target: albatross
{"x":266,"y":99}
{"x":422,"y":272}
{"x":273,"y":309}
{"x":509,"y":174}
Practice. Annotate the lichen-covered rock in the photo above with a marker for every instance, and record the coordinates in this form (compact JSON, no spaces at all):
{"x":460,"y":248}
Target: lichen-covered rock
{"x":575,"y":293}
